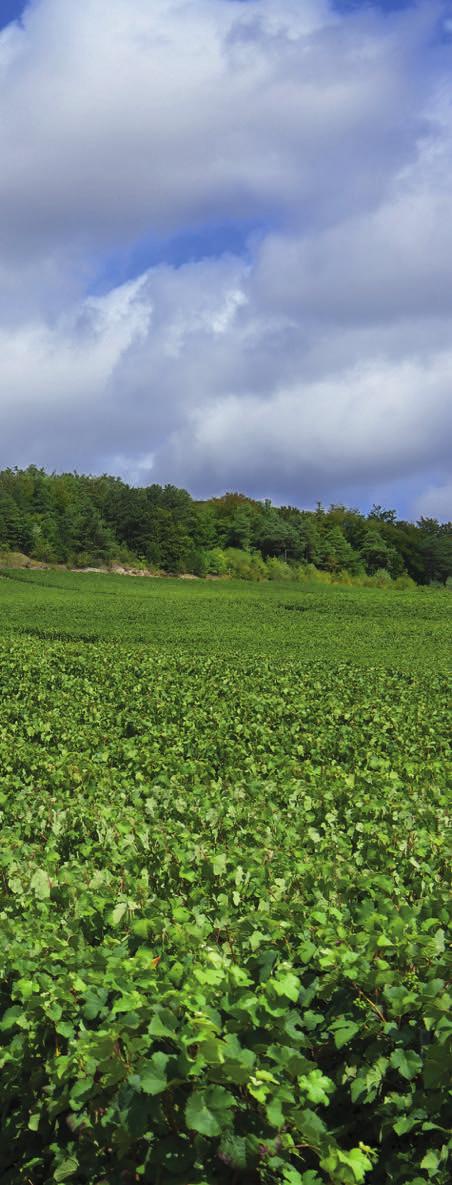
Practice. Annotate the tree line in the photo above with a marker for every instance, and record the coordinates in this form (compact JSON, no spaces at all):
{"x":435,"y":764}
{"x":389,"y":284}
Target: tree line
{"x":84,"y":521}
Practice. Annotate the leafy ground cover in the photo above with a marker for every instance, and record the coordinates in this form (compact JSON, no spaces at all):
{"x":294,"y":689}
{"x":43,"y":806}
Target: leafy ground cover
{"x":224,"y":886}
{"x":405,"y":629}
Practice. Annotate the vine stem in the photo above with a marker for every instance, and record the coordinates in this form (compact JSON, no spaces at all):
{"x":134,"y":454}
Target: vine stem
{"x":371,"y":1003}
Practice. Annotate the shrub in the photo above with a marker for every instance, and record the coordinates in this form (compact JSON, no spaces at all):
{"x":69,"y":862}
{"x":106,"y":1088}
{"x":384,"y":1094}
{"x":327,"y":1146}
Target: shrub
{"x":217,"y":564}
{"x":380,"y":579}
{"x":404,"y":581}
{"x":246,"y":565}
{"x":85,"y":559}
{"x":343,"y":578}
{"x":320,"y":577}
{"x":278,"y":569}
{"x":197,"y":563}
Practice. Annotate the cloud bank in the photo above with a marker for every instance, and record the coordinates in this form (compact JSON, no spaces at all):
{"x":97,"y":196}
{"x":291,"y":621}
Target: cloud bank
{"x":316,"y":361}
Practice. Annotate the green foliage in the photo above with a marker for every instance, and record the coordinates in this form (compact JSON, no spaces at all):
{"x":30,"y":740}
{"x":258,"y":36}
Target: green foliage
{"x":379,"y":579}
{"x":245,"y":565}
{"x":224,"y":888}
{"x":308,"y":618}
{"x":217,"y":564}
{"x":278,"y":569}
{"x":95,"y":521}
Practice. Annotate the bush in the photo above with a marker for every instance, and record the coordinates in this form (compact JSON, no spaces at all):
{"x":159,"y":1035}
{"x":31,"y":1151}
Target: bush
{"x":344,"y":578}
{"x":380,"y":579}
{"x":86,"y":559}
{"x":245,"y":565}
{"x":128,"y":558}
{"x":312,"y":573}
{"x":404,"y":581}
{"x":217,"y":564}
{"x":278,"y":569}
{"x":197,"y":563}
{"x":44,"y":551}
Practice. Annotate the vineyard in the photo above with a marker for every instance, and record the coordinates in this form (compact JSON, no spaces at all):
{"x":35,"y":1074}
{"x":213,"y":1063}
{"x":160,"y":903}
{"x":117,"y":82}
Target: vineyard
{"x":224,"y":888}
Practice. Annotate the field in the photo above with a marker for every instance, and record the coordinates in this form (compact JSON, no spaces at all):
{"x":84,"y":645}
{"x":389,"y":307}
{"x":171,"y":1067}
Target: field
{"x":224,"y":883}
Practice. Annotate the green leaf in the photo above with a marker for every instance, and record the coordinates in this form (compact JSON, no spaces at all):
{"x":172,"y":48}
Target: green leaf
{"x":233,"y":1151}
{"x":437,"y":1070}
{"x":152,"y":1074}
{"x":407,"y":1062}
{"x":291,"y":1176}
{"x":405,"y":1124}
{"x":274,"y":1113}
{"x":25,"y":987}
{"x":306,"y":950}
{"x":343,"y":1032}
{"x":163,"y":1023}
{"x":316,"y":1086}
{"x":40,"y":884}
{"x":311,"y":1127}
{"x":287,"y":985}
{"x":383,"y":941}
{"x":219,"y":864}
{"x":81,"y":1087}
{"x":66,"y":1169}
{"x":118,"y":912}
{"x":431,"y":1162}
{"x":95,"y":1001}
{"x":11,"y":1017}
{"x":208,"y":1111}
{"x":358,"y":1161}
{"x":312,"y":1020}
{"x":356,"y":1164}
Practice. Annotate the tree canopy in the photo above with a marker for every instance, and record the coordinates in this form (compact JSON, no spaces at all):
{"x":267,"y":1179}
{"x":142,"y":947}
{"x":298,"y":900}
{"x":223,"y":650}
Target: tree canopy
{"x":80,"y":520}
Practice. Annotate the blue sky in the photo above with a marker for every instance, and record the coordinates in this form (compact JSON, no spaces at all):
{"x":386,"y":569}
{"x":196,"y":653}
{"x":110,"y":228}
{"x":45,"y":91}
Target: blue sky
{"x":10,"y":10}
{"x":225,"y":243}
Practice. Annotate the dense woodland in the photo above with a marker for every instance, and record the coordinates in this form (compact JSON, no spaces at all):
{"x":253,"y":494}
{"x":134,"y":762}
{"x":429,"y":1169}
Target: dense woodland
{"x":79,"y":521}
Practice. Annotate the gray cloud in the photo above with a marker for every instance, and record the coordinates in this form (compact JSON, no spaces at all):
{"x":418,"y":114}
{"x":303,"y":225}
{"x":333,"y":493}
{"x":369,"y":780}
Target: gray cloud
{"x":435,"y":502}
{"x":318,"y":365}
{"x":119,"y":115}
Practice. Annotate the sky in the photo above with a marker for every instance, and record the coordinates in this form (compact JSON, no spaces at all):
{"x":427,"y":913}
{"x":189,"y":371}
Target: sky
{"x":226,"y":246}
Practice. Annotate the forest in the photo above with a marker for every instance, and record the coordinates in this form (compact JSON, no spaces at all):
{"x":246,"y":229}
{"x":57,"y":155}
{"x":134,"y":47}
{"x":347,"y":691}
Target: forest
{"x":80,"y":521}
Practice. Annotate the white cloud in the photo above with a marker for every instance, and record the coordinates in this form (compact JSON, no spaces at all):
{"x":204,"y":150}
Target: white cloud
{"x":389,"y":262}
{"x":377,"y":423}
{"x":120,"y":115}
{"x":319,"y":364}
{"x":220,"y":393}
{"x":78,"y":356}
